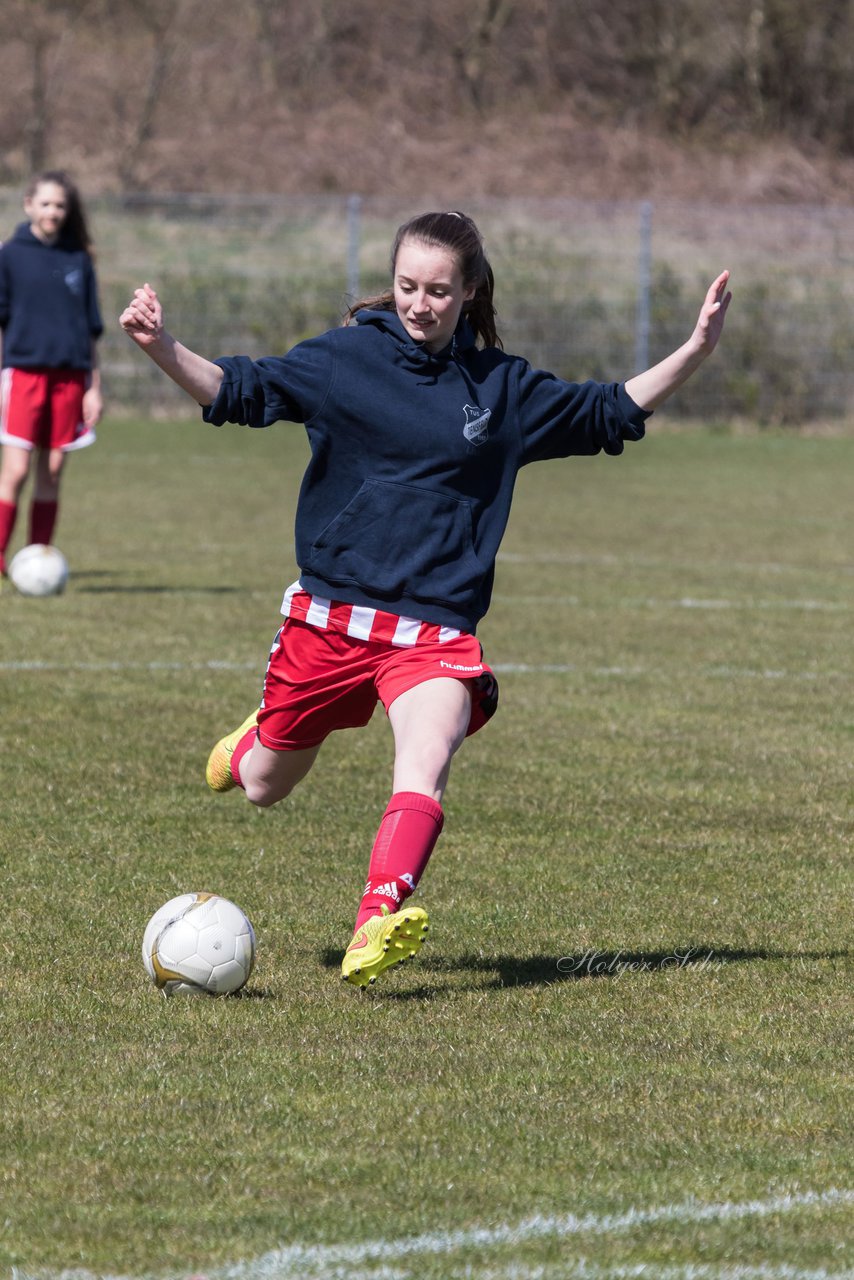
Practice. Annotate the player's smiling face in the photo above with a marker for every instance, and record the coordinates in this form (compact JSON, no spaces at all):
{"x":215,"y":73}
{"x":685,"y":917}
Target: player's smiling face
{"x":47,"y":209}
{"x":428,"y":293}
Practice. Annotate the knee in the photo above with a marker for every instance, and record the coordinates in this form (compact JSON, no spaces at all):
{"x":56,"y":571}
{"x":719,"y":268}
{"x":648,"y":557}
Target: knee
{"x":262,"y":794}
{"x":259,"y":795}
{"x":50,"y":477}
{"x":269,"y":776}
{"x":13,"y":476}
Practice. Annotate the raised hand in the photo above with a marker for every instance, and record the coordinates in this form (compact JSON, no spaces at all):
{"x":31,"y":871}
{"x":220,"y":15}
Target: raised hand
{"x":651,"y":388}
{"x":710,"y":323}
{"x":142,"y":318}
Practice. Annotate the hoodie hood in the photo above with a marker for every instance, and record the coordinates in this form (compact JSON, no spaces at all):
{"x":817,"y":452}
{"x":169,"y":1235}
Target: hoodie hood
{"x":23,"y":235}
{"x":415,"y":355}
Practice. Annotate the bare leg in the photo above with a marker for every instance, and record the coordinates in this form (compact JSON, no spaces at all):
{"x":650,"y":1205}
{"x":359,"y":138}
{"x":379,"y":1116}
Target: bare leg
{"x":14,"y":465}
{"x":429,"y":724}
{"x":48,"y":472}
{"x":268,"y":776}
{"x":14,"y":468}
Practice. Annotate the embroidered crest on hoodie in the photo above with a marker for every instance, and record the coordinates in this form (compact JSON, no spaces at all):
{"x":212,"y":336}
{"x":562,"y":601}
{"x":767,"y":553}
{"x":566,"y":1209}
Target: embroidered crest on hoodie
{"x":476,"y":428}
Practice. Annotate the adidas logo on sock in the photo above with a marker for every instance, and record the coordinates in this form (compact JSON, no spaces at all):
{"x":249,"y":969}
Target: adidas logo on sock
{"x":388,"y":890}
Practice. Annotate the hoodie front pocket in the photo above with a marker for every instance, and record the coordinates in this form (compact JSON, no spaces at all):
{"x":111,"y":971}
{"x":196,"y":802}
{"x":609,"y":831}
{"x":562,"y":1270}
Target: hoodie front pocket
{"x":396,"y":539}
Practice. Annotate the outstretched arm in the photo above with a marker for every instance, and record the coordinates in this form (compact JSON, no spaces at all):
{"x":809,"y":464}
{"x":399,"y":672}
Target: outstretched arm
{"x":650,"y":389}
{"x":142,"y":320}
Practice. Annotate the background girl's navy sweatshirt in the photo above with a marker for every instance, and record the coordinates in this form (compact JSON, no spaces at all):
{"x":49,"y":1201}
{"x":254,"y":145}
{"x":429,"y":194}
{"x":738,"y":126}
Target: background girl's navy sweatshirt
{"x":48,"y":304}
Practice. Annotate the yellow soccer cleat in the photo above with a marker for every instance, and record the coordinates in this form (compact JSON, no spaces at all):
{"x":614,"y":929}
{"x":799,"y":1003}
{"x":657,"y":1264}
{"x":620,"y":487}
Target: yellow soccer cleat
{"x":218,"y":772}
{"x":384,"y":940}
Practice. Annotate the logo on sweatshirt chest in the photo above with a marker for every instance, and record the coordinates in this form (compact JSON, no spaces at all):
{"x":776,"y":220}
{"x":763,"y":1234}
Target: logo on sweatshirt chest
{"x":476,"y":428}
{"x":74,"y":280}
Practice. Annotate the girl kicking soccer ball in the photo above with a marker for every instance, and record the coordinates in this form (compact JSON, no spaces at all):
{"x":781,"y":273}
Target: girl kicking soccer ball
{"x":418,"y":423}
{"x":50,"y":394}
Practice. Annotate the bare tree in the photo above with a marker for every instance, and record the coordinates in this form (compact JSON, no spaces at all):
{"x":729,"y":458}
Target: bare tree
{"x":160,"y":22}
{"x":268,"y":61}
{"x":42,"y":27}
{"x":472,"y":53}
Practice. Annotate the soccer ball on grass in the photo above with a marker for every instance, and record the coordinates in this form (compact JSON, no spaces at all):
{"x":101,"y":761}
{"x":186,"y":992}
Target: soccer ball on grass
{"x":198,"y":944}
{"x":39,"y":570}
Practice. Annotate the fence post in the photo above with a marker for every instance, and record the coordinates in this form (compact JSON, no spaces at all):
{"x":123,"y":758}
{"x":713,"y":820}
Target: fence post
{"x":354,"y":220}
{"x":642,"y":317}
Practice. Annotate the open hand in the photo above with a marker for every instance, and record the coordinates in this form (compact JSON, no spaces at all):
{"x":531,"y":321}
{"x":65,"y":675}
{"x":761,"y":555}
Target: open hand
{"x":710,"y":323}
{"x":652,"y":388}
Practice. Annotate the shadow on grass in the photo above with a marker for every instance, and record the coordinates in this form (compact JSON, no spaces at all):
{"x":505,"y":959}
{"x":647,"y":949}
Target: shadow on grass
{"x":535,"y":971}
{"x":583,"y":966}
{"x":127,"y":589}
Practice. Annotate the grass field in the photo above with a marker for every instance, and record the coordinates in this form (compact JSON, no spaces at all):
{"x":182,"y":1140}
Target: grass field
{"x":626,"y":1049}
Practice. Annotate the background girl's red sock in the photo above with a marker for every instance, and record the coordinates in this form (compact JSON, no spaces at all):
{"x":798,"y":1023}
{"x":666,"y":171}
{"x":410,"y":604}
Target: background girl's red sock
{"x":8,"y":512}
{"x":407,"y":835}
{"x":42,"y":520}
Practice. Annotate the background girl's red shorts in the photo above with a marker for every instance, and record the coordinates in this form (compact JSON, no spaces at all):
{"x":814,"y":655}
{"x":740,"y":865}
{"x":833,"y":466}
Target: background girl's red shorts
{"x":43,"y":409}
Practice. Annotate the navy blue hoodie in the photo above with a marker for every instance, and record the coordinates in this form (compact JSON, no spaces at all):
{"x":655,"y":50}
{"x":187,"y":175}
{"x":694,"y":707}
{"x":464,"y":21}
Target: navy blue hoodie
{"x":414,"y":456}
{"x":48,"y":303}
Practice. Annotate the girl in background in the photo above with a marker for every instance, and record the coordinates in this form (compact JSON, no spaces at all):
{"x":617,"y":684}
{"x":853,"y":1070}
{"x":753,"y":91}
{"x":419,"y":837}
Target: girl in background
{"x":418,"y":424}
{"x":50,"y":394}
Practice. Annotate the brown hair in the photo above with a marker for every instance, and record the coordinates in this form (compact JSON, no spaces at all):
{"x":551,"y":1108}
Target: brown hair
{"x":457,"y":233}
{"x":75,"y":227}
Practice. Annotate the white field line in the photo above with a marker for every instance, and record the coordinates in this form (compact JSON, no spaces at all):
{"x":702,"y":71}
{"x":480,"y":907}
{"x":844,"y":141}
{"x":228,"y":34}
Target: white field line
{"x":24,"y":665}
{"x":684,"y":602}
{"x":722,"y":672}
{"x":635,"y":1271}
{"x":334,"y":1261}
{"x":314,"y":1262}
{"x":654,"y":562}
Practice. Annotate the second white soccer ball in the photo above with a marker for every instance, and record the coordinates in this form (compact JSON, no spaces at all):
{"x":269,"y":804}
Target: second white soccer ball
{"x":199,"y":944}
{"x":39,"y":570}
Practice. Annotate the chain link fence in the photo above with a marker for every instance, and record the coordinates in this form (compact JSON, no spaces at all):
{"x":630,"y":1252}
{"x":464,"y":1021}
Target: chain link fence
{"x":586,"y":289}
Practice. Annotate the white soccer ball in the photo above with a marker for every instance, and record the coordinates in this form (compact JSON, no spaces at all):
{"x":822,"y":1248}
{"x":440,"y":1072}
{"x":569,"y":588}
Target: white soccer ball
{"x":38,"y":570}
{"x":198,"y":944}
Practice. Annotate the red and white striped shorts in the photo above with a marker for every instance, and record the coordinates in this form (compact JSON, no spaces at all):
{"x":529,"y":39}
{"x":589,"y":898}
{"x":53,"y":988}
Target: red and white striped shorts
{"x":332,"y":662}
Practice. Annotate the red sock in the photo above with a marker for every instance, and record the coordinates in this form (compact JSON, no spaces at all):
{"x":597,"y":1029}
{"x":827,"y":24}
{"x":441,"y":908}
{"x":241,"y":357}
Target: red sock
{"x":8,"y":512}
{"x":42,"y":520}
{"x":408,"y":832}
{"x":246,"y":743}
